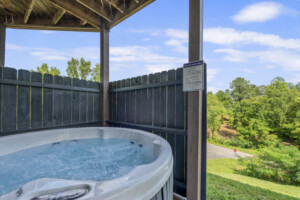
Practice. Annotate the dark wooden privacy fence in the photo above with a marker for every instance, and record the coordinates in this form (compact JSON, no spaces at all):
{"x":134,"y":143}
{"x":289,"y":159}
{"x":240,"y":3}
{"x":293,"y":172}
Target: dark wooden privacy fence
{"x":155,"y":103}
{"x":30,"y":101}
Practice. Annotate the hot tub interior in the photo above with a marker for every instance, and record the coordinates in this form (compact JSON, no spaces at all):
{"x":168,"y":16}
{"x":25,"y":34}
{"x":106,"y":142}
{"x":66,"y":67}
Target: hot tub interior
{"x":95,"y":159}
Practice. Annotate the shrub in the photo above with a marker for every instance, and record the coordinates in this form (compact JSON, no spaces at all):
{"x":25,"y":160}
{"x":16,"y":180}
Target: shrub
{"x":278,"y":163}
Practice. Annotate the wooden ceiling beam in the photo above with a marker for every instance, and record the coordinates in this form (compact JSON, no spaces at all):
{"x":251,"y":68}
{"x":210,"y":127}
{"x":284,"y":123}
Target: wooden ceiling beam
{"x":83,"y":23}
{"x":116,"y":5}
{"x":28,"y":11}
{"x":58,"y":15}
{"x":96,"y":7}
{"x":46,"y":24}
{"x":76,"y":9}
{"x":130,"y":10}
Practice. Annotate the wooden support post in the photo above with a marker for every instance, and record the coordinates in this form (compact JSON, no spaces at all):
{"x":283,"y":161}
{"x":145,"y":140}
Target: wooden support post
{"x":196,"y":160}
{"x":104,"y":55}
{"x":2,"y":45}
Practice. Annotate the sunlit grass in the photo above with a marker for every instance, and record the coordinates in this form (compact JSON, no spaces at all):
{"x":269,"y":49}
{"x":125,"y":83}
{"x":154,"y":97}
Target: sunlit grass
{"x":223,"y":180}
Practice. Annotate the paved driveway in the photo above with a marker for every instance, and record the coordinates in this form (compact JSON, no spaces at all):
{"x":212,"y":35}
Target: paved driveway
{"x":216,"y":152}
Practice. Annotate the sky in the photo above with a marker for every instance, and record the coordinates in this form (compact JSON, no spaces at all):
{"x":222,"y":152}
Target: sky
{"x":257,"y":40}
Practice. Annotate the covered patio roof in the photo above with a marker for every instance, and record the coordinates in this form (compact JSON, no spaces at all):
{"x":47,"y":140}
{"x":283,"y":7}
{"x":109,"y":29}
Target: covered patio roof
{"x":67,"y":15}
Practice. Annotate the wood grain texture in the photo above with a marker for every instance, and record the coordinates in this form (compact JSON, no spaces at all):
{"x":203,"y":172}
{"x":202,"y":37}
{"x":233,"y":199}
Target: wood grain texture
{"x":36,"y":101}
{"x":9,"y":101}
{"x":23,"y":121}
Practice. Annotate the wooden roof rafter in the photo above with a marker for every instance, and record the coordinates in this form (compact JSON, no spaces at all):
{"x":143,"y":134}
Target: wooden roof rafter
{"x":58,"y":15}
{"x":80,"y":12}
{"x":97,"y":8}
{"x":131,"y":9}
{"x":117,"y":5}
{"x":71,"y":14}
{"x":28,"y":11}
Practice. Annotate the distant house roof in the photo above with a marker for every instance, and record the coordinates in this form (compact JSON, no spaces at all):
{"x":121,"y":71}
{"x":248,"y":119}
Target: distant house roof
{"x":69,"y":15}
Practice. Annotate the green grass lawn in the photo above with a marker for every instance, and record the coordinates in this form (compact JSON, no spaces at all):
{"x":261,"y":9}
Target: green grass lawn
{"x":224,"y":183}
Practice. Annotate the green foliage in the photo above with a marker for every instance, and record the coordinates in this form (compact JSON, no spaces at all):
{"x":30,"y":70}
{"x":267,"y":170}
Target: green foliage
{"x":72,"y":69}
{"x":96,"y":73}
{"x":54,"y":71}
{"x":78,"y":68}
{"x":84,"y":68}
{"x":215,"y":110}
{"x":262,"y":115}
{"x":241,"y":89}
{"x":44,"y":69}
{"x":277,"y":163}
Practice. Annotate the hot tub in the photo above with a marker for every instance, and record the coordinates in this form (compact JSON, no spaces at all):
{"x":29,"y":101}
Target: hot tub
{"x":153,"y":180}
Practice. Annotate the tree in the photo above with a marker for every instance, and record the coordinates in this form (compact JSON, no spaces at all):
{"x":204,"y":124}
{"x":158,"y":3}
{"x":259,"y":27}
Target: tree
{"x":215,"y":110}
{"x":96,"y":73}
{"x":84,"y":68}
{"x":72,"y":69}
{"x":44,"y":69}
{"x":240,"y":89}
{"x":298,"y":86}
{"x":54,"y":71}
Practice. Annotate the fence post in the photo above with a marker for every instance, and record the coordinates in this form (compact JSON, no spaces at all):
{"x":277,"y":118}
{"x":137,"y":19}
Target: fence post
{"x":2,"y":44}
{"x":196,"y":165}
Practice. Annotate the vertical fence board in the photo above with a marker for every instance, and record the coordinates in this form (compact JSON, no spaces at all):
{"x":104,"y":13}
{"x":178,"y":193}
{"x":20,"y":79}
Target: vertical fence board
{"x":138,"y":113}
{"x":163,"y":103}
{"x":143,"y":111}
{"x":157,"y":102}
{"x":171,"y":114}
{"x":114,"y":105}
{"x":90,"y":103}
{"x":82,"y":103}
{"x":1,"y":72}
{"x":36,"y":101}
{"x":133,"y":101}
{"x":58,"y":102}
{"x":96,"y":85}
{"x":110,"y":102}
{"x":123,"y":102}
{"x":127,"y":101}
{"x":48,"y":102}
{"x":149,"y":114}
{"x":23,"y":121}
{"x":9,"y":101}
{"x":67,"y":103}
{"x":180,"y":140}
{"x":75,"y":102}
{"x":118,"y":101}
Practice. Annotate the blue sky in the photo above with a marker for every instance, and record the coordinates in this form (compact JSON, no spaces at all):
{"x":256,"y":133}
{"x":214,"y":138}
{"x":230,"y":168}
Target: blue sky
{"x":257,"y":40}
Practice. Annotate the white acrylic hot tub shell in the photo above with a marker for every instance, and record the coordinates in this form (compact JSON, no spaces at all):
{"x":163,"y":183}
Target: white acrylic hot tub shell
{"x":142,"y":183}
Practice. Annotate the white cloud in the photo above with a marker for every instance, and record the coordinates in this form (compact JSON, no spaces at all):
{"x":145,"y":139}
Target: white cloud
{"x":295,"y":79}
{"x":178,"y":40}
{"x":159,"y":67}
{"x":289,"y":61}
{"x":89,"y":53}
{"x":47,"y":32}
{"x":142,"y":54}
{"x":211,"y":74}
{"x":213,"y":89}
{"x":229,"y":36}
{"x":261,"y":12}
{"x":177,"y":33}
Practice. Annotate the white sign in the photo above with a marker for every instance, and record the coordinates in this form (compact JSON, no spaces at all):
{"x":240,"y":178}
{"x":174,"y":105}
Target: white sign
{"x":193,"y":76}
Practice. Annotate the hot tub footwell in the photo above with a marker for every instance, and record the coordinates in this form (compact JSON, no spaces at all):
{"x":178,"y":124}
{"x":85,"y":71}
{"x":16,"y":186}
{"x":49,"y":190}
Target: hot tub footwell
{"x":166,"y":192}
